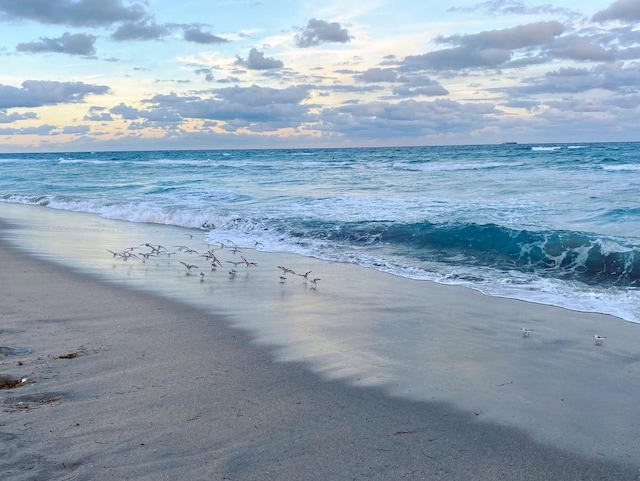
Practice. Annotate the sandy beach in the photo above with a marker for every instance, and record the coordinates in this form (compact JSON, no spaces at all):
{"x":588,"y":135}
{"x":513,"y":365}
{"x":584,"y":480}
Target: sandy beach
{"x":120,"y":383}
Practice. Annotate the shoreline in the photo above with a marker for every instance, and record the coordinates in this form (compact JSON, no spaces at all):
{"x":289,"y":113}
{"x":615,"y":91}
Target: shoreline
{"x":379,"y":343}
{"x":160,"y":389}
{"x":150,"y":399}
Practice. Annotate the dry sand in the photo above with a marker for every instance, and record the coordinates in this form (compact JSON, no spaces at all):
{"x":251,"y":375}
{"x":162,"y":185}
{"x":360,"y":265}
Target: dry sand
{"x":122,"y":384}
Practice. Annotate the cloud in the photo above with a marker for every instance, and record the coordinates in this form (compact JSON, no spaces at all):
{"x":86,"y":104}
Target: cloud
{"x":77,"y":13}
{"x":411,"y":85}
{"x":614,"y":77}
{"x":36,"y":93}
{"x":457,"y":58}
{"x":155,"y":115}
{"x":579,"y":48}
{"x":140,"y":31}
{"x":44,"y":129}
{"x":6,"y":118}
{"x":76,"y":129}
{"x":514,"y":7}
{"x":208,"y":74}
{"x":622,"y":10}
{"x":126,"y":112}
{"x":257,"y":61}
{"x":513,"y":38}
{"x":263,"y":96}
{"x":405,"y":119}
{"x":71,"y":44}
{"x":489,"y":49}
{"x":194,"y":34}
{"x":320,"y":31}
{"x":252,"y":108}
{"x":377,"y":75}
{"x":98,"y":114}
{"x":423,"y":87}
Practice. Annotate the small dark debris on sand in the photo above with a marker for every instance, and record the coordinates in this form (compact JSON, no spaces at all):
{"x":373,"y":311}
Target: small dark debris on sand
{"x":8,"y":382}
{"x":74,"y":354}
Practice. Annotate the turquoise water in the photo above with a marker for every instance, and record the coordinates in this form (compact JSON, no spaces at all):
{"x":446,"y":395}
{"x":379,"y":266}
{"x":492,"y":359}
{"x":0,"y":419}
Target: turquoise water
{"x":556,"y":224}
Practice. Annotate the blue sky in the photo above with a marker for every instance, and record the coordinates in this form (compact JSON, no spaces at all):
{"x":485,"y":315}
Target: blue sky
{"x":158,"y":74}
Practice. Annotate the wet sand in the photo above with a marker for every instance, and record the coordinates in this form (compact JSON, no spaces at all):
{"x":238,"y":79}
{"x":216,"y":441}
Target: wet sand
{"x":128,"y":384}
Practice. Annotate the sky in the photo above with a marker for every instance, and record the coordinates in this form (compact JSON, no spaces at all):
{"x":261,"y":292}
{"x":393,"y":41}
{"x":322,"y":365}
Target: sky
{"x":95,"y":75}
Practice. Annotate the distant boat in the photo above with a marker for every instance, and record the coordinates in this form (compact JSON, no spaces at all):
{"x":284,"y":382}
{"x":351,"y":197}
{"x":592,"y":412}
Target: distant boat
{"x":509,"y":143}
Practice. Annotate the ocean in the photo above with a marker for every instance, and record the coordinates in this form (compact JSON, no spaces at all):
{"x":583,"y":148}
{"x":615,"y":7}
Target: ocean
{"x":552,"y":224}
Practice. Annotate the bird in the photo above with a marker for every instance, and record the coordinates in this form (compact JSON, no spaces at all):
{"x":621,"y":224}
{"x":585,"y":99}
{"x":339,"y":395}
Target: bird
{"x":188,"y":266}
{"x":125,"y":255}
{"x":314,"y":282}
{"x":599,"y":339}
{"x":526,"y":331}
{"x":232,"y":273}
{"x":146,"y":255}
{"x":202,"y":277}
{"x":286,"y":270}
{"x":248,"y":264}
{"x":305,"y":276}
{"x":154,"y":249}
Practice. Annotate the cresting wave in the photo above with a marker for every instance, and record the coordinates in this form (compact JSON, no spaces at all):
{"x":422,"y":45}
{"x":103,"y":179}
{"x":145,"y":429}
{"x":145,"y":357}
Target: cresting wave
{"x":588,"y":258}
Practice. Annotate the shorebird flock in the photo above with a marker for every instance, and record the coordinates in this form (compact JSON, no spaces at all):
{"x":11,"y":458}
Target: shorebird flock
{"x":212,"y":256}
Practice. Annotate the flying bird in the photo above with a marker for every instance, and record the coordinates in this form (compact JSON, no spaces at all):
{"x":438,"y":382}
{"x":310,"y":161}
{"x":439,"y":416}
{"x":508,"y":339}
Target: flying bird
{"x":188,"y":266}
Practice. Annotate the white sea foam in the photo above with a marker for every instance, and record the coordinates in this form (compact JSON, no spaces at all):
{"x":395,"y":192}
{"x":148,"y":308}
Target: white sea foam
{"x":621,"y":167}
{"x":90,"y":161}
{"x":451,"y":166}
{"x":546,"y":148}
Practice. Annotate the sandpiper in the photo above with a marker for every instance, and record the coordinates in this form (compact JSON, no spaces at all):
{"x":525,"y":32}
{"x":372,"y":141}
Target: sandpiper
{"x":526,"y":331}
{"x":286,"y":270}
{"x":599,"y":339}
{"x":247,"y":263}
{"x":125,"y":255}
{"x":188,"y":266}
